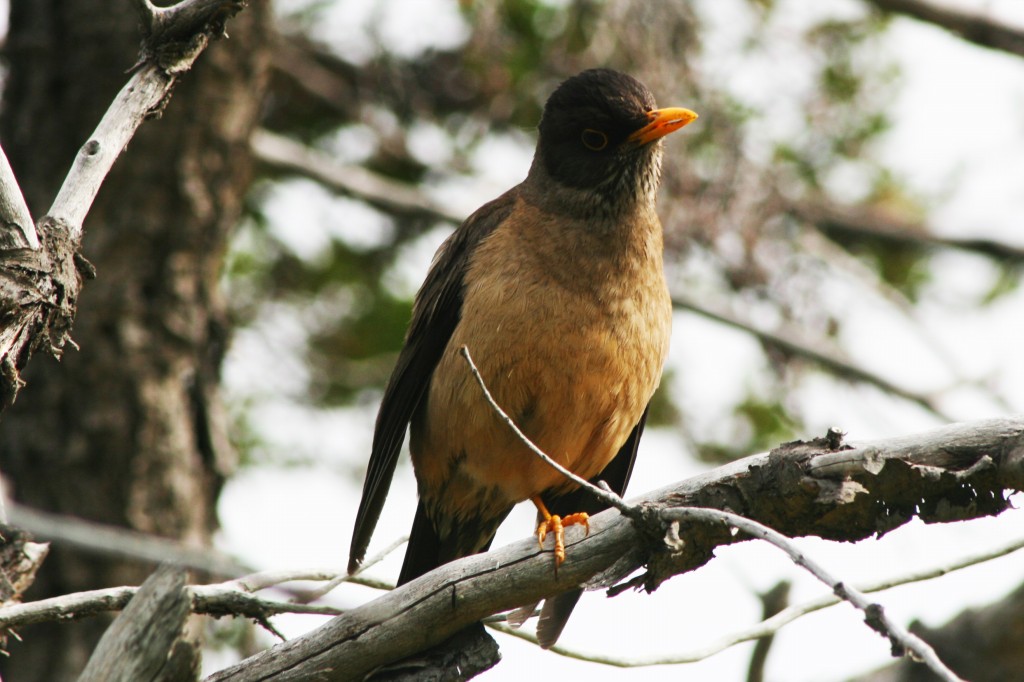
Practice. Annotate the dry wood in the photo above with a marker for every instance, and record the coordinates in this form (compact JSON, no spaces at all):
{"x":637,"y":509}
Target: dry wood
{"x":823,"y":487}
{"x":39,"y":286}
{"x":145,"y":643}
{"x":972,"y":26}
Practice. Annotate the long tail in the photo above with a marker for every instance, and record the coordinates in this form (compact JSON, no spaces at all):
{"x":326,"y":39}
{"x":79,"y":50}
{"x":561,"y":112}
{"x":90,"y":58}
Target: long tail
{"x":427,"y":549}
{"x":424,"y":551}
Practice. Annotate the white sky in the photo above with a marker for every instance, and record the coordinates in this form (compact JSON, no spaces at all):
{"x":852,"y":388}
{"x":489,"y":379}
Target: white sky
{"x":959,"y":136}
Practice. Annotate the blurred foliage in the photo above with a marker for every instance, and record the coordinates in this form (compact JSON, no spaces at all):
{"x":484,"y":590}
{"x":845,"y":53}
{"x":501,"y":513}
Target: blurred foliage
{"x":728,"y":184}
{"x":760,"y":426}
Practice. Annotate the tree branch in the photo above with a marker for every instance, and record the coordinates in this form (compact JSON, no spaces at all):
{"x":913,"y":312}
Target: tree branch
{"x":286,"y":154}
{"x":17,"y":229}
{"x":841,"y":367}
{"x":232,"y":598}
{"x":108,"y":540}
{"x":861,"y":222}
{"x":39,"y":286}
{"x":971,"y":26}
{"x":769,"y":626}
{"x":146,"y":643}
{"x":955,"y":473}
{"x":178,"y":36}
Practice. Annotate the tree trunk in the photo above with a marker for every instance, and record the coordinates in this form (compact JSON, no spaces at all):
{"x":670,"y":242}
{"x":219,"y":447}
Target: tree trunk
{"x":128,"y":430}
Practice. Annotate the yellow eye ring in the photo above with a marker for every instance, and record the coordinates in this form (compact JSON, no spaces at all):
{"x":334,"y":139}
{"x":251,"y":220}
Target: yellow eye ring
{"x":594,"y":140}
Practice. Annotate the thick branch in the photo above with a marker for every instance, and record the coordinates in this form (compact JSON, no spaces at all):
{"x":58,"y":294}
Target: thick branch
{"x":145,"y":643}
{"x":958,"y":472}
{"x":971,"y":26}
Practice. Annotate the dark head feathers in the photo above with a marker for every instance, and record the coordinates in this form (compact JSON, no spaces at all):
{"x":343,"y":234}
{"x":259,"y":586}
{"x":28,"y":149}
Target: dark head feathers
{"x":583,"y":135}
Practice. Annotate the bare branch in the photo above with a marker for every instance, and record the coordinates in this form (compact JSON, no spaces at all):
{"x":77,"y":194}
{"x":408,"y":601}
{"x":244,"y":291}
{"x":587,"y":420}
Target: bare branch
{"x":839,"y":366}
{"x":396,"y":197}
{"x":814,"y":489}
{"x":143,"y":96}
{"x":860,"y":221}
{"x":971,"y":26}
{"x":39,"y":287}
{"x":17,"y":229}
{"x":234,"y":597}
{"x":108,"y":540}
{"x":146,"y":641}
{"x":903,"y":641}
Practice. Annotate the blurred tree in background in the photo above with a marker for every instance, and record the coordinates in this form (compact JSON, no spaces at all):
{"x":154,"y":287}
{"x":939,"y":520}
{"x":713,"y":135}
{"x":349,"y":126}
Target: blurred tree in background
{"x":370,"y":136}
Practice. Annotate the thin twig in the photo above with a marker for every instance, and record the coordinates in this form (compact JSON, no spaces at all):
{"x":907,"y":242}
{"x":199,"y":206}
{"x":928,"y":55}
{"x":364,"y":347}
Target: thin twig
{"x":232,"y":597}
{"x":346,"y":577}
{"x":772,"y":625}
{"x":839,"y":366}
{"x":903,"y":641}
{"x":606,"y":496}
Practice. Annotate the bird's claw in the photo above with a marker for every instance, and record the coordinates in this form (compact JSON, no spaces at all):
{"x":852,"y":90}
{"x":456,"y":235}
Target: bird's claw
{"x":556,"y":524}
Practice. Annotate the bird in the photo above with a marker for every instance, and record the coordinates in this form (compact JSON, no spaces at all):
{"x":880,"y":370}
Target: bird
{"x":557,"y":289}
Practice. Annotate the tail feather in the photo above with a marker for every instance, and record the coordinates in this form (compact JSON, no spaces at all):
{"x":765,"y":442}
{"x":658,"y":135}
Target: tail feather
{"x":554,"y":615}
{"x":423,"y":554}
{"x":427,"y":549}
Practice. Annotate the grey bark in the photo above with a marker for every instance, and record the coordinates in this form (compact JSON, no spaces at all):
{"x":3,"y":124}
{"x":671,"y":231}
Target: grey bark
{"x":127,"y":431}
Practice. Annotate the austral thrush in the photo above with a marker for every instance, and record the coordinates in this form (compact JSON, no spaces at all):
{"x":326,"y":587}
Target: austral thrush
{"x":558,"y":290}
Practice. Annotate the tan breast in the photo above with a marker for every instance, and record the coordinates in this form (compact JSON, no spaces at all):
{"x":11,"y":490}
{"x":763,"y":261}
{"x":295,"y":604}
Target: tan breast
{"x":570,"y":329}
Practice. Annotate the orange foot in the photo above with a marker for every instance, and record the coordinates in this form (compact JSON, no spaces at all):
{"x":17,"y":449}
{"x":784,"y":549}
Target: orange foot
{"x":556,"y":524}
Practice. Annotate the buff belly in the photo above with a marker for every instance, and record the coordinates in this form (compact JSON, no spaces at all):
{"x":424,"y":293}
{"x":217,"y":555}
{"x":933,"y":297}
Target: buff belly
{"x":575,"y":374}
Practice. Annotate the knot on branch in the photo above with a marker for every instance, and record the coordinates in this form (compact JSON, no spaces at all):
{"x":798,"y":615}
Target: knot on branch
{"x":668,"y":547}
{"x":38,"y":299}
{"x":67,"y":270}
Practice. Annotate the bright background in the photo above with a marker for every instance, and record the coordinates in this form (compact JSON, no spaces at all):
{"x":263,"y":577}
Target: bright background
{"x":958,"y":138}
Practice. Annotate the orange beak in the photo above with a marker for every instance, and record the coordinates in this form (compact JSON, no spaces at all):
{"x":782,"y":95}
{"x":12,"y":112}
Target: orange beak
{"x":661,"y":122}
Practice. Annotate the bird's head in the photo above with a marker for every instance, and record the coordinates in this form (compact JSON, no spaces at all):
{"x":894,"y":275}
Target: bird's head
{"x":600,"y":140}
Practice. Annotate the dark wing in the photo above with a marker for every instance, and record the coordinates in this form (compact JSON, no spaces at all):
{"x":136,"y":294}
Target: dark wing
{"x":556,"y":611}
{"x":436,"y":311}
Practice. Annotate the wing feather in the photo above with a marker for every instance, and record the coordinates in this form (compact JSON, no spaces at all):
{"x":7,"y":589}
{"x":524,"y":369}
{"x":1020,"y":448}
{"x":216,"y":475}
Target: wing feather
{"x":436,"y":312}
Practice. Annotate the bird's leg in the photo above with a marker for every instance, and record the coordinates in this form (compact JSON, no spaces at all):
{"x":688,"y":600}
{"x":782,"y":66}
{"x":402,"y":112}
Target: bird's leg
{"x":553,"y":523}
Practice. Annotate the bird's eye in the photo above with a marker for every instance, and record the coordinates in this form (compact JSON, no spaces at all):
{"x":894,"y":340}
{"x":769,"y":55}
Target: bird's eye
{"x":594,"y":140}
